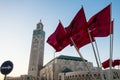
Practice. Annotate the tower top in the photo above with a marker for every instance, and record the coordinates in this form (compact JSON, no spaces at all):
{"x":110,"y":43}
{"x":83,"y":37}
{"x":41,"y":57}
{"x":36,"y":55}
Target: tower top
{"x":40,"y":25}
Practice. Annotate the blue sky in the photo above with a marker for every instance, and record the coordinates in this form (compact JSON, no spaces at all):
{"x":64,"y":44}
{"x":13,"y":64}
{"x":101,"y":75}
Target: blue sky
{"x":18,"y":19}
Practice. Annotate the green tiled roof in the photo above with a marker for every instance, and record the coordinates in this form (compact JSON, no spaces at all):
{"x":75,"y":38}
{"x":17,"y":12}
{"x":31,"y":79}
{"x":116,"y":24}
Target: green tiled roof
{"x":70,"y":58}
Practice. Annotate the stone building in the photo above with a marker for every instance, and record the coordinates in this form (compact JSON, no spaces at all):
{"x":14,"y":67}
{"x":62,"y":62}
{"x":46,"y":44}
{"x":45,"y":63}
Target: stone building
{"x":85,"y":75}
{"x":63,"y":64}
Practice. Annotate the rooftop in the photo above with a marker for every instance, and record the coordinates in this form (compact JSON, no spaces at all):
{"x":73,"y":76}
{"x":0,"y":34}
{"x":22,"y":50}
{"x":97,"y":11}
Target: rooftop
{"x":70,"y":58}
{"x":64,"y":57}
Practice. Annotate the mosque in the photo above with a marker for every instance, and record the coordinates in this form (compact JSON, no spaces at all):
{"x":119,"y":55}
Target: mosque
{"x":62,"y":67}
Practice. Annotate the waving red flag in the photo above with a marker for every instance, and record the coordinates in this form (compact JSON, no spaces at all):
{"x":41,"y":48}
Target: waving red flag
{"x":106,"y":63}
{"x":77,"y":29}
{"x":78,"y":23}
{"x":58,"y":39}
{"x":116,"y":62}
{"x":80,"y":42}
{"x":81,"y":39}
{"x":99,"y":24}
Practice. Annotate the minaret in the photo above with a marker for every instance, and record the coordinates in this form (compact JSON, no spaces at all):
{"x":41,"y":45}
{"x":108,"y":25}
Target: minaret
{"x":37,"y":51}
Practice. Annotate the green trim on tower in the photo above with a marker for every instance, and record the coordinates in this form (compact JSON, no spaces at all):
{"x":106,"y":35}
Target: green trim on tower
{"x":39,"y":32}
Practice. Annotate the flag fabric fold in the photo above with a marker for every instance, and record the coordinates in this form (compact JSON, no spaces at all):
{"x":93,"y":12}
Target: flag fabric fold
{"x":99,"y":24}
{"x":77,"y":24}
{"x":77,"y":30}
{"x":81,"y":39}
{"x":106,"y":63}
{"x":58,"y":38}
{"x":116,"y":62}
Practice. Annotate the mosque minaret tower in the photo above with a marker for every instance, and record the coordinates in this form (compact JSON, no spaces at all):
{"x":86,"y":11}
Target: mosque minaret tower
{"x":37,"y":50}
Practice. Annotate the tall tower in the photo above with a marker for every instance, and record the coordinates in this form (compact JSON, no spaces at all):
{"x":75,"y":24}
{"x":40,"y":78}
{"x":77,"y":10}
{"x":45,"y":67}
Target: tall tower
{"x":37,"y":50}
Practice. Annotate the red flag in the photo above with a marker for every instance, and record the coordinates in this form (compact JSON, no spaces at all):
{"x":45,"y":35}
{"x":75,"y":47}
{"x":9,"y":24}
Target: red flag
{"x":77,"y":29}
{"x":116,"y":62}
{"x":78,"y":23}
{"x":84,"y":41}
{"x":81,"y":39}
{"x":58,"y":39}
{"x":99,"y":24}
{"x":106,"y":63}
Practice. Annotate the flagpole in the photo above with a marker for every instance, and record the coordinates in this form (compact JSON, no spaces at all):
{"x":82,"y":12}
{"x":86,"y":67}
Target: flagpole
{"x":101,"y":73}
{"x":93,"y":48}
{"x":111,"y":53}
{"x":99,"y":60}
{"x":110,"y":57}
{"x":80,"y":55}
{"x":98,"y":54}
{"x":111,"y":47}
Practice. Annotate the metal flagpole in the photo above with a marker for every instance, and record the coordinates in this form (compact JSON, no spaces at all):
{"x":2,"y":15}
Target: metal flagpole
{"x":98,"y":53}
{"x":110,"y":57}
{"x":80,"y":55}
{"x":93,"y":48}
{"x":95,"y":54}
{"x":111,"y":53}
{"x":111,"y":46}
{"x":101,"y":72}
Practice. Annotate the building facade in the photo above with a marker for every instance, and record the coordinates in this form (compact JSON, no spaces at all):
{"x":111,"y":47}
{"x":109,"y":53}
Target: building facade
{"x":85,"y":75}
{"x":63,"y":64}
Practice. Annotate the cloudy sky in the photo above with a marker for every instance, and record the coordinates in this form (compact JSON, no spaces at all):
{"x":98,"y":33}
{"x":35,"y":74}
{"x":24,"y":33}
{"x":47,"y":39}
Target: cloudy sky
{"x":18,"y":19}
